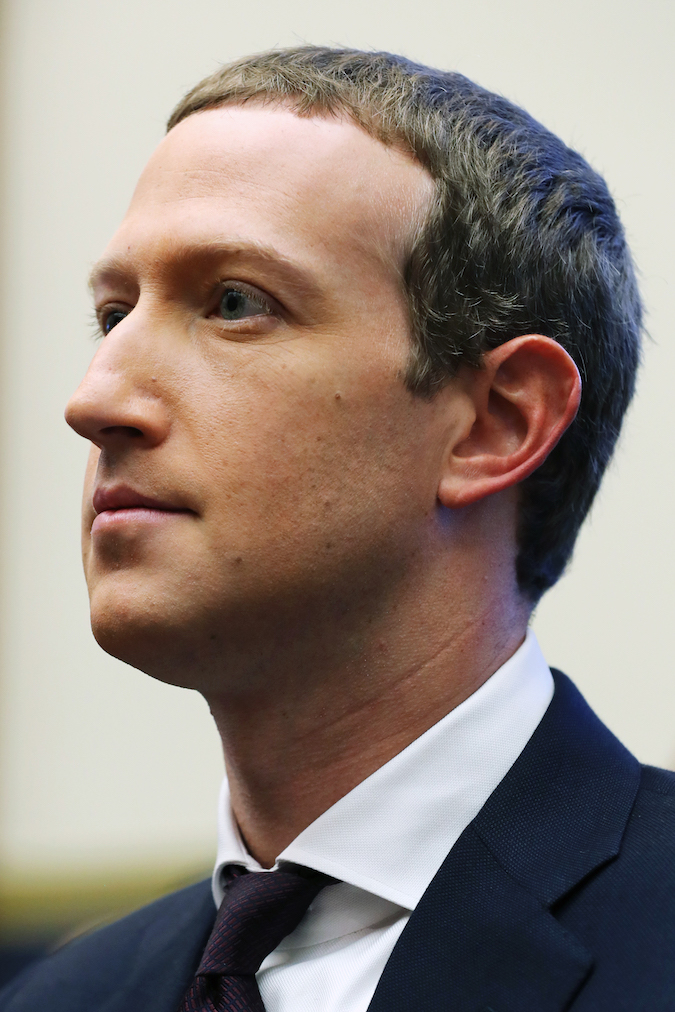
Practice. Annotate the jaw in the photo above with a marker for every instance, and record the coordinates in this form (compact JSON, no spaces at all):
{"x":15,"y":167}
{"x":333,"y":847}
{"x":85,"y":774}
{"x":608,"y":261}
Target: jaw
{"x":246,"y":623}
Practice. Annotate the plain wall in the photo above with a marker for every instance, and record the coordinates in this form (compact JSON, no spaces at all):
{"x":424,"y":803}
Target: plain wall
{"x":101,"y":766}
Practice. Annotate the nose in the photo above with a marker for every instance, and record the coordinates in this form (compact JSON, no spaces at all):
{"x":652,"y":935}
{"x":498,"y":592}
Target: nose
{"x":120,"y":401}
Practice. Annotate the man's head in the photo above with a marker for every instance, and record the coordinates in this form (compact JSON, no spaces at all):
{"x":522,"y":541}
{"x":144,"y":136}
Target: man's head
{"x":521,"y":237}
{"x":335,"y":319}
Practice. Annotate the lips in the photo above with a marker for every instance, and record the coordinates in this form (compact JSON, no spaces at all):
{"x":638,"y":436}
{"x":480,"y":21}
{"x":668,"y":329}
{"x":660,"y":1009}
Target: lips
{"x":121,"y":497}
{"x":122,"y":505}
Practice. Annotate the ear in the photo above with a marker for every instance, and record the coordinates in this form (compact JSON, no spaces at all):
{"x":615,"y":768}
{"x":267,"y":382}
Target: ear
{"x":523,"y":398}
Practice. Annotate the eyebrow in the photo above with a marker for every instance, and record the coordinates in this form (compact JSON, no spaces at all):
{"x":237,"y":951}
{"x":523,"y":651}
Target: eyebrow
{"x":118,"y":267}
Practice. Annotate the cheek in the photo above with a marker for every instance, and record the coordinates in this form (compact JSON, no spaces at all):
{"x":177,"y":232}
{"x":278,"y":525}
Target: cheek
{"x":334,"y":463}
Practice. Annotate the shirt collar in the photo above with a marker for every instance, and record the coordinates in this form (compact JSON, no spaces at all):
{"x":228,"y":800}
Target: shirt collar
{"x":391,"y":833}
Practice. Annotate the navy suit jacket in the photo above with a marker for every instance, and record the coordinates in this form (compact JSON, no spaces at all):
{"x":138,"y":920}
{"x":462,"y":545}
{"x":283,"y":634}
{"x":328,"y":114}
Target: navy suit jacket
{"x":560,"y":895}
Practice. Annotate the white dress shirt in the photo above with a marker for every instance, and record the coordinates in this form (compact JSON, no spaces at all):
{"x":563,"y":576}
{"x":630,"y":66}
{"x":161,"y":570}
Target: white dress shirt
{"x":387,"y":838}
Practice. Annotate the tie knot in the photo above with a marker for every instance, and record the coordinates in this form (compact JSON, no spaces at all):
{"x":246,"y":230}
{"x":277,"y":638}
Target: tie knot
{"x":258,"y":910}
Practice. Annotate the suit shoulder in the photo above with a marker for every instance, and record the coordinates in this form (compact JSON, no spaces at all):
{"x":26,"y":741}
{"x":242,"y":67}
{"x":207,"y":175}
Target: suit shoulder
{"x":652,"y":820}
{"x":624,"y":913}
{"x":94,"y":971}
{"x":651,"y":826}
{"x":657,"y":780}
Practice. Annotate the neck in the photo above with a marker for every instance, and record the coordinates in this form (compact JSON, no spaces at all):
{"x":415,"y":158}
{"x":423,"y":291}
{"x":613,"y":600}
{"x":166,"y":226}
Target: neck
{"x":312,"y":730}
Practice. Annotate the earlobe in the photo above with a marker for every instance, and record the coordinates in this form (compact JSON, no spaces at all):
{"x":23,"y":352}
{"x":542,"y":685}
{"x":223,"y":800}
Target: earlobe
{"x":525,"y":395}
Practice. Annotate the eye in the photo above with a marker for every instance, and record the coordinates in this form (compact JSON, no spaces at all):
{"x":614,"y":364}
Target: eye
{"x":237,"y":304}
{"x":111,"y":320}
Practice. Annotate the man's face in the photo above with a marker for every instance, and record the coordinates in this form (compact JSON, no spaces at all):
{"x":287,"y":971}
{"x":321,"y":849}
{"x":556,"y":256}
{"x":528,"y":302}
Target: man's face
{"x":259,"y":469}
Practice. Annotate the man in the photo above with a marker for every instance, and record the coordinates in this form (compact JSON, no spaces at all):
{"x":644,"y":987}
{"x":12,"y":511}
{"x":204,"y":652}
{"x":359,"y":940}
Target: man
{"x":368,"y":335}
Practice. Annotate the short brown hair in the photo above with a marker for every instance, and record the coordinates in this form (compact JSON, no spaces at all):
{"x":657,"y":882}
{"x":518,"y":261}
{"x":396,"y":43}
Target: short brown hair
{"x":523,"y":237}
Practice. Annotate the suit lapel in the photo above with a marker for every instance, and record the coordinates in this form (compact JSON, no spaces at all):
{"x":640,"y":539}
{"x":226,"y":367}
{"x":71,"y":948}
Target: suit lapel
{"x":483,"y":938}
{"x":479,"y":941}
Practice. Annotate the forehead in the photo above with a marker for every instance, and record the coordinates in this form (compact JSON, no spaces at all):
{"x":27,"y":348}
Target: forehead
{"x":316,"y":189}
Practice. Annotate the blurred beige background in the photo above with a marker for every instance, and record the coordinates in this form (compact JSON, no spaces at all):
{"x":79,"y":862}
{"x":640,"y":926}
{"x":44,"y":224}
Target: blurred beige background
{"x":107,"y":775}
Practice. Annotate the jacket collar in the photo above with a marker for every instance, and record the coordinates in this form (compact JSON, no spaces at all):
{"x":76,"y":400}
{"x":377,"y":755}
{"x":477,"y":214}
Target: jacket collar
{"x":483,"y":938}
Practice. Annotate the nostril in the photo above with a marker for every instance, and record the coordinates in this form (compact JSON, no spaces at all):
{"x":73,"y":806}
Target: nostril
{"x":122,"y":430}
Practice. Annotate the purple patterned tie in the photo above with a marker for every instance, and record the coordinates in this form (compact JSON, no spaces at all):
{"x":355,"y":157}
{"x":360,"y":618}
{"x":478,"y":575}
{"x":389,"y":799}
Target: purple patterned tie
{"x":258,"y":910}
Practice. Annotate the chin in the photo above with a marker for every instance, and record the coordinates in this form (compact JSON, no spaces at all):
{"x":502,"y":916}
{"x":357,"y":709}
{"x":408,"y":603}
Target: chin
{"x":143,"y":635}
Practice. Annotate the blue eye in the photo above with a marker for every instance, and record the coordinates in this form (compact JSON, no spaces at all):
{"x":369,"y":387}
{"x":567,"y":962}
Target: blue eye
{"x":237,"y":305}
{"x":112,"y":319}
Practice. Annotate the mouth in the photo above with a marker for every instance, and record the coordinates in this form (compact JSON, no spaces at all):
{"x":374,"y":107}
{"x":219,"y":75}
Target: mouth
{"x":122,"y":505}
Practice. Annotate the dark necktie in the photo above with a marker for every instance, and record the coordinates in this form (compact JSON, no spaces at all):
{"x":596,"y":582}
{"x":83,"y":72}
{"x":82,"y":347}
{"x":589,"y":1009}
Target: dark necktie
{"x":258,"y":910}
